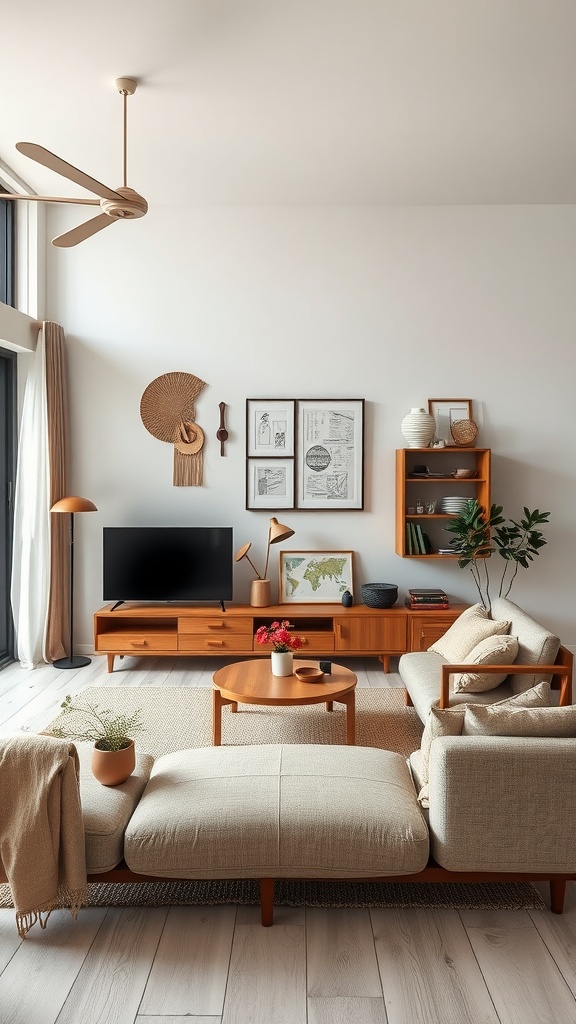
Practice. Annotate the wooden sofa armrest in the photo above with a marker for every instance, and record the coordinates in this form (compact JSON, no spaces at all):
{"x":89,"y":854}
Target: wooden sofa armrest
{"x":562,"y":669}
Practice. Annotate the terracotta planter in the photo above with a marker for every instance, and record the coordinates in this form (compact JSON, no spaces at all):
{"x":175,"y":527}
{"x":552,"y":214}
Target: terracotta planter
{"x":111,"y":767}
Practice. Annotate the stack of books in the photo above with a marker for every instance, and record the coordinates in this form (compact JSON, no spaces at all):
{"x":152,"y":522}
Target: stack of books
{"x":422,"y":599}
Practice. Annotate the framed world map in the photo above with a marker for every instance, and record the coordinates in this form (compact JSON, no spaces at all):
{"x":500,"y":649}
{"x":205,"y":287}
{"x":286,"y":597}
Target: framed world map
{"x":308,"y":577}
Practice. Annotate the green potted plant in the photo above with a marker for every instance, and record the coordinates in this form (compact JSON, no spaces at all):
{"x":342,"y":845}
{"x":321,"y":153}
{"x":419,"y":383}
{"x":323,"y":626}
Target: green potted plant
{"x":114,"y":755}
{"x":478,"y":535}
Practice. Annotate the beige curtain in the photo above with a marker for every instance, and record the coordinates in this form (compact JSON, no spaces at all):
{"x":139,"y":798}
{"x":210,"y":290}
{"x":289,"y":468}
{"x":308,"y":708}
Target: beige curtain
{"x":57,"y":641}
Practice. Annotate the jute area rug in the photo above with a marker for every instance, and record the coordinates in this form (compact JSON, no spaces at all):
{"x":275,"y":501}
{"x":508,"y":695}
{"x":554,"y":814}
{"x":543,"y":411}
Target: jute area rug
{"x":177,"y":718}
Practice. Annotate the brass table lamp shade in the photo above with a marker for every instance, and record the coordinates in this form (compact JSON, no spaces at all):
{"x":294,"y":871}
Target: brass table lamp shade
{"x":260,"y":593}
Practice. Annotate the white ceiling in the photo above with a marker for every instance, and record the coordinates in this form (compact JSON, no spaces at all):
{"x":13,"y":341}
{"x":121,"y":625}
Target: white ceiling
{"x":297,"y":101}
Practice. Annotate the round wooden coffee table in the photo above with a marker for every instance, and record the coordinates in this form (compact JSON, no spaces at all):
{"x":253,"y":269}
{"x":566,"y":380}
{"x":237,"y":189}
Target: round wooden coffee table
{"x":252,"y":682}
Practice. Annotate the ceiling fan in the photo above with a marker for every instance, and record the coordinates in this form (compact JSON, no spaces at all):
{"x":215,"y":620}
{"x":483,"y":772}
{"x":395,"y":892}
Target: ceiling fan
{"x":122,"y":203}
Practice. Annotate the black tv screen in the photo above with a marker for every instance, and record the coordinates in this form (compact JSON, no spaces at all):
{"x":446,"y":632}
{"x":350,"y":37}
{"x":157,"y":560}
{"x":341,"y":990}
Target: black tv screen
{"x":167,"y":563}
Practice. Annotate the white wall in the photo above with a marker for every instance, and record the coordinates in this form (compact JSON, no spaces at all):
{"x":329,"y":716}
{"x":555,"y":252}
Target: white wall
{"x":394,"y":305}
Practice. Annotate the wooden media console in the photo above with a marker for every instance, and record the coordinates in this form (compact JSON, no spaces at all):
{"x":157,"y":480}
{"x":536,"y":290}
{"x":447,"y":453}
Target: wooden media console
{"x":327,"y":630}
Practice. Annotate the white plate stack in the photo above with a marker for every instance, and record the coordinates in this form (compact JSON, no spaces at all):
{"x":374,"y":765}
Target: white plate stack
{"x":453,"y":505}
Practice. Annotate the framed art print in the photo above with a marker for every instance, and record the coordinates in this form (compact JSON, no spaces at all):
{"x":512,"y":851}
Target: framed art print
{"x":330,"y":453}
{"x":447,"y":411}
{"x":269,"y":483}
{"x":269,"y":427}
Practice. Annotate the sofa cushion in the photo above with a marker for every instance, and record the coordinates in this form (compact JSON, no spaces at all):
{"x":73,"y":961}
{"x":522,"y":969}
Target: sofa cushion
{"x":450,"y":722}
{"x":421,"y":672}
{"x":536,"y":644}
{"x":512,"y":720}
{"x":292,"y":811}
{"x":106,"y":810}
{"x":493,"y":650}
{"x":472,"y":626}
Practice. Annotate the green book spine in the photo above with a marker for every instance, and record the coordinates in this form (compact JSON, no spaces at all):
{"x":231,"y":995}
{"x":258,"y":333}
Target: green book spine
{"x":421,"y":543}
{"x":408,"y":540}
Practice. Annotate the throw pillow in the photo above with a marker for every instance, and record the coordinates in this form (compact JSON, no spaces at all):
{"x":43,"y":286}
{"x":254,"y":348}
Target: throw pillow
{"x":450,"y":722}
{"x":466,"y":632}
{"x":493,"y":650}
{"x":495,"y":720}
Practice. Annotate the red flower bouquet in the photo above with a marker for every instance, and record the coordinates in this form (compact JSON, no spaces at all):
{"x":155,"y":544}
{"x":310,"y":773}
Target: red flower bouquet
{"x":277,"y":634}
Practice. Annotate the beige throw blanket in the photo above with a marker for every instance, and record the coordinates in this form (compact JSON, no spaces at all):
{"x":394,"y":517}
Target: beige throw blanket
{"x":42,"y":848}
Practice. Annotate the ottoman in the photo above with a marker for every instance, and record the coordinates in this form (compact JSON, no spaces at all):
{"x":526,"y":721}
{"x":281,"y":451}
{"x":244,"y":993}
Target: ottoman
{"x":278,"y":811}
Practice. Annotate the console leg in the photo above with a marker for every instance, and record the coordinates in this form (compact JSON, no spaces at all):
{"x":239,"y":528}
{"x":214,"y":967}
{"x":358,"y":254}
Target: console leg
{"x":110,"y":662}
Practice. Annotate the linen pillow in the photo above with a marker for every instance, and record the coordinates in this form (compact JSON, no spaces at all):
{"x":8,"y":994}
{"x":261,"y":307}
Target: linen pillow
{"x":450,"y":722}
{"x":493,"y":650}
{"x":496,"y":720}
{"x":466,"y":632}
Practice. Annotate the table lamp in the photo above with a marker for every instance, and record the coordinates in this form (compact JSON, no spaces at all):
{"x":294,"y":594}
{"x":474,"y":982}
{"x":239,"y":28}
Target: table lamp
{"x":72,"y":504}
{"x":260,"y":593}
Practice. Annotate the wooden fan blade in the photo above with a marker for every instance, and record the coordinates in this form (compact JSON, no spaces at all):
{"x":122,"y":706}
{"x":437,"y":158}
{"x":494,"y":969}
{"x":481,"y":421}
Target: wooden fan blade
{"x":55,"y":163}
{"x":49,"y":199}
{"x":78,"y":234}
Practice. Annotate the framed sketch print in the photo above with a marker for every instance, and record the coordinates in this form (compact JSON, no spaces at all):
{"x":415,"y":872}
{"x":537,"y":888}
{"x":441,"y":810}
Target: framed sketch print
{"x":314,"y":576}
{"x":330,"y":453}
{"x":269,"y":427}
{"x":445,"y":412}
{"x":269,"y":483}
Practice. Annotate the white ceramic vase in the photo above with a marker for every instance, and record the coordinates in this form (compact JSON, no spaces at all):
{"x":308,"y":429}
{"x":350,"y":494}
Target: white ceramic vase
{"x":282,"y":663}
{"x":418,"y":428}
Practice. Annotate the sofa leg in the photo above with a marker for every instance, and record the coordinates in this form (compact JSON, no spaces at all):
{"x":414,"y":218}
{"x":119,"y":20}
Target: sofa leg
{"x":408,"y":699}
{"x":267,"y":901}
{"x":557,"y":894}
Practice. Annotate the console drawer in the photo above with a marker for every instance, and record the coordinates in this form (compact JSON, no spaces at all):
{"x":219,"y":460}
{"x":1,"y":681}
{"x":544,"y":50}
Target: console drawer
{"x":162,"y":640}
{"x":218,"y":625}
{"x":220,"y":642}
{"x":319,"y":640}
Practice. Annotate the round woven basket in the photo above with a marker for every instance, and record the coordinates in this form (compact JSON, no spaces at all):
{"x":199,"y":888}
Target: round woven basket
{"x":464,"y":432}
{"x":379,"y":595}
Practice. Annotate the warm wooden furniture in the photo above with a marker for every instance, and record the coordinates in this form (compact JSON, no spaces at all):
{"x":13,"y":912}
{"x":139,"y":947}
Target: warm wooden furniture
{"x":410,"y":488}
{"x":252,"y":682}
{"x":327,"y":630}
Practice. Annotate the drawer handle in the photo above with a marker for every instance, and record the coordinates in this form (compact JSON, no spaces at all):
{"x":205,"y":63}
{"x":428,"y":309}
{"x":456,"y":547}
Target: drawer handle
{"x":215,"y":643}
{"x":338,"y":631}
{"x":216,"y":625}
{"x":138,"y":643}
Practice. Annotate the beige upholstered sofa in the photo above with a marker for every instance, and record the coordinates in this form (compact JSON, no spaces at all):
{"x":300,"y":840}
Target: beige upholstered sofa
{"x":519,"y":652}
{"x":499,"y":808}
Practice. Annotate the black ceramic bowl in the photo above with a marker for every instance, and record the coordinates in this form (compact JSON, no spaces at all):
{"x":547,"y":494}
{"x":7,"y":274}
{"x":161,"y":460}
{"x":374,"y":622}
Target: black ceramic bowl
{"x":379,"y":595}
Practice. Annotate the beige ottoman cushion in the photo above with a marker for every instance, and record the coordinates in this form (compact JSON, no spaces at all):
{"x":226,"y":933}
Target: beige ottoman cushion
{"x":106,"y":810}
{"x":291,"y":811}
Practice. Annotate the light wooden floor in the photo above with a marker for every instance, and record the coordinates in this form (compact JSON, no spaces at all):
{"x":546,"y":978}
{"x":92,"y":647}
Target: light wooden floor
{"x":217,"y":965}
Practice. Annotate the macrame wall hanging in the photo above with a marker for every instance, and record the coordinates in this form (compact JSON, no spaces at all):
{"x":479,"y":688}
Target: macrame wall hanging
{"x":167,"y":412}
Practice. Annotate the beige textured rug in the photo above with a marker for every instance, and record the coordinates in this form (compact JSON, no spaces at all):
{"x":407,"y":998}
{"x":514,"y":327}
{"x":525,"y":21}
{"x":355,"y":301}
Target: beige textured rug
{"x":176,"y":718}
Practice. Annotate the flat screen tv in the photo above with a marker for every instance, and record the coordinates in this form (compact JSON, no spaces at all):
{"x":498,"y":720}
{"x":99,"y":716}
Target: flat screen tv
{"x":167,"y":563}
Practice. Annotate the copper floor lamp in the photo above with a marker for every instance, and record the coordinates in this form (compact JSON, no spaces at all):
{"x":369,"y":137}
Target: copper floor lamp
{"x":71,"y":505}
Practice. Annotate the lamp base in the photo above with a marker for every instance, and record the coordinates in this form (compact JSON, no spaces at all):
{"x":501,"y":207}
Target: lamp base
{"x":260,"y":594}
{"x":75,"y":662}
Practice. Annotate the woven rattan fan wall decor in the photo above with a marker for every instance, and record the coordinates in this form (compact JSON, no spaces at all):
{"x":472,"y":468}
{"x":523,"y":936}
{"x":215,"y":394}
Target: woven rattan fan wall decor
{"x":167,"y":412}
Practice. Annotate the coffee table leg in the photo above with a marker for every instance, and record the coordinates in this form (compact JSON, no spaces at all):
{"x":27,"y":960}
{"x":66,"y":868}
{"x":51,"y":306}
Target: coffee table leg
{"x":351,"y":718}
{"x":216,"y":718}
{"x":329,"y":705}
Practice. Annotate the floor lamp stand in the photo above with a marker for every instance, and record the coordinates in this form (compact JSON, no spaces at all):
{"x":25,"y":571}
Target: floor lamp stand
{"x":79,"y":661}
